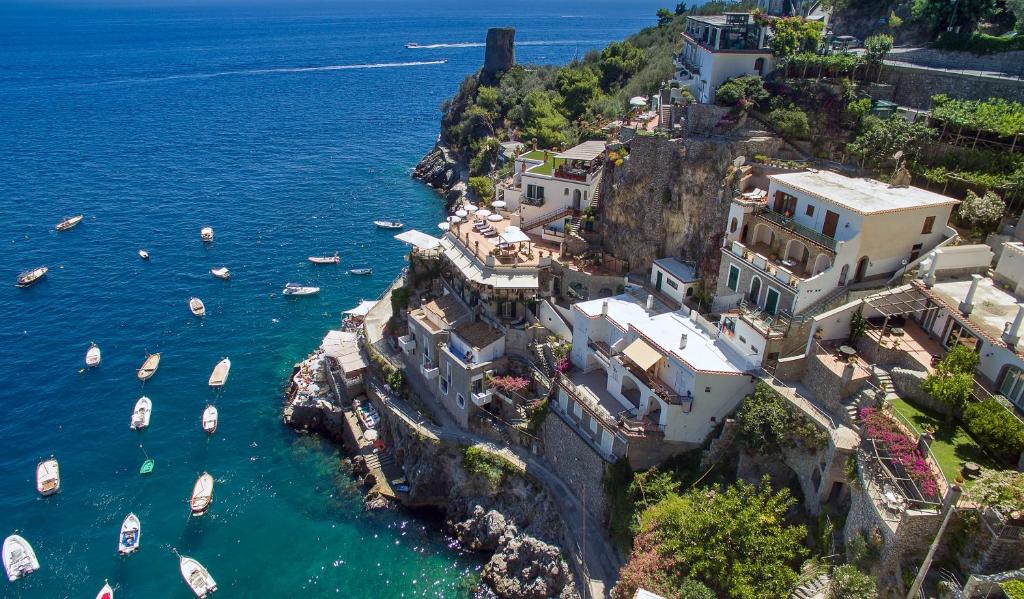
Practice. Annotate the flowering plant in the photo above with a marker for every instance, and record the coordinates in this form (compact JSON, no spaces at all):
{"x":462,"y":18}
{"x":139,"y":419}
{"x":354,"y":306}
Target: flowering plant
{"x":562,"y":365}
{"x":902,"y":449}
{"x":515,"y":384}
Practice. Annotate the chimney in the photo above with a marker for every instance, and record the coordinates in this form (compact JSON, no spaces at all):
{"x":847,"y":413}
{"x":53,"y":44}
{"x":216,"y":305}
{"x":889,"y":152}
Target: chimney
{"x":682,"y":341}
{"x":1012,"y":333}
{"x":650,"y":302}
{"x":967,"y":306}
{"x":604,"y":308}
{"x":929,"y":280}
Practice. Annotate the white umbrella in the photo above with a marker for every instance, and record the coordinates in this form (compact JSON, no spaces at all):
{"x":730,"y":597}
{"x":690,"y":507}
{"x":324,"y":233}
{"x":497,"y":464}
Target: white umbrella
{"x":469,"y":207}
{"x":495,"y":218}
{"x":497,"y":204}
{"x":444,"y":226}
{"x":454,"y":220}
{"x":483,"y":213}
{"x":370,"y":435}
{"x":638,"y":101}
{"x":461,"y":213}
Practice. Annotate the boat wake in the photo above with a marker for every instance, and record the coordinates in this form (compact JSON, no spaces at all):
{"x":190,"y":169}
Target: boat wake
{"x":283,"y":70}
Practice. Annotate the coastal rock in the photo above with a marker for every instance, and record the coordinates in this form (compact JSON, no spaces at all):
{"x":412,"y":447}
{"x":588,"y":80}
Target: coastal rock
{"x":484,"y":530}
{"x":528,"y":568}
{"x":442,"y":170}
{"x":377,"y":502}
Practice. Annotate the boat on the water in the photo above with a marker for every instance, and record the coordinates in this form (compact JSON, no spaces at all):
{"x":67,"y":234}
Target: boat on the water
{"x":149,"y":366}
{"x":106,"y":592}
{"x":206,"y":234}
{"x":296,"y":289}
{"x":70,"y":222}
{"x":197,"y":306}
{"x":202,"y":494}
{"x":48,"y":477}
{"x":140,"y":415}
{"x":131,"y":535}
{"x":219,"y":376}
{"x":360,"y":271}
{"x":30,"y":277}
{"x":412,"y":45}
{"x":389,"y":224}
{"x":147,"y":466}
{"x":19,"y":558}
{"x":221,"y":273}
{"x":335,"y":259}
{"x":196,"y":577}
{"x":210,"y":420}
{"x":93,"y":356}
{"x":143,"y":254}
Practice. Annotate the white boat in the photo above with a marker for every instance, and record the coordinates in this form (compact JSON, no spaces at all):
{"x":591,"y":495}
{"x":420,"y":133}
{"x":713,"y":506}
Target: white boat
{"x":140,"y":415}
{"x":19,"y":558}
{"x":389,"y":224}
{"x":70,"y":222}
{"x":48,"y":477}
{"x":149,"y":367}
{"x":106,"y":592}
{"x":197,"y":306}
{"x":360,"y":271}
{"x":412,"y":45}
{"x":30,"y":277}
{"x":221,"y":273}
{"x":197,"y":577}
{"x":219,"y":376}
{"x":206,"y":234}
{"x":335,"y":259}
{"x":296,"y":289}
{"x":210,"y":420}
{"x":131,"y":535}
{"x":143,"y":254}
{"x":202,"y":494}
{"x":93,"y":356}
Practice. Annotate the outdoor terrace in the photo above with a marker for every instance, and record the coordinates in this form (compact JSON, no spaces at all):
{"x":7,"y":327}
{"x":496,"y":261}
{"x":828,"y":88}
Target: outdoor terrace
{"x":559,"y":167}
{"x":761,"y":257}
{"x":787,"y":227}
{"x":488,"y":249}
{"x":590,"y":389}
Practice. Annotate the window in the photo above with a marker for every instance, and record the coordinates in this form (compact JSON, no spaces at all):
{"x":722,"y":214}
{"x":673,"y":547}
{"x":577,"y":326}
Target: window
{"x":734,"y":277}
{"x":928,"y":224}
{"x":732,"y":225}
{"x":958,"y":334}
{"x":689,"y":291}
{"x":672,"y":283}
{"x":443,"y":383}
{"x":707,"y":389}
{"x":593,"y":424}
{"x":809,"y":211}
{"x":461,"y":401}
{"x":577,"y":409}
{"x":785,"y":204}
{"x":1012,"y":386}
{"x":535,"y":192}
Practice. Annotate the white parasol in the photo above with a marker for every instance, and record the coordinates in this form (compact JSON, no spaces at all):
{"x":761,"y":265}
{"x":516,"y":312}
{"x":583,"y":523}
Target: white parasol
{"x":638,"y":101}
{"x":461,"y":213}
{"x":498,"y":204}
{"x":370,"y":434}
{"x":494,"y":218}
{"x":444,"y":226}
{"x":454,"y":220}
{"x":483,"y":213}
{"x":469,"y":207}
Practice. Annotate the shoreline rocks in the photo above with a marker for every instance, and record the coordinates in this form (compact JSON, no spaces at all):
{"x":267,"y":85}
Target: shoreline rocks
{"x":444,"y":172}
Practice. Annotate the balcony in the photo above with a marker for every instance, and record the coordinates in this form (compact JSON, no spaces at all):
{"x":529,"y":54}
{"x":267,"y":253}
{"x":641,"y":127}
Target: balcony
{"x":656,"y":386}
{"x":407,"y":343}
{"x":429,"y":371}
{"x":789,"y":225}
{"x":483,"y":398}
{"x":773,"y":268}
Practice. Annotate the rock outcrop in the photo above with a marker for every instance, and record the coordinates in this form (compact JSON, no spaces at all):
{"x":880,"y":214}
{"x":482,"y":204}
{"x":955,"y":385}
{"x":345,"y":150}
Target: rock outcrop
{"x":500,"y":54}
{"x":443,"y":171}
{"x":528,"y":568}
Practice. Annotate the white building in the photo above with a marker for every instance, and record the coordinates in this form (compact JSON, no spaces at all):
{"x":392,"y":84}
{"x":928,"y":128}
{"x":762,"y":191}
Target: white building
{"x":675,"y":279}
{"x":720,"y":47}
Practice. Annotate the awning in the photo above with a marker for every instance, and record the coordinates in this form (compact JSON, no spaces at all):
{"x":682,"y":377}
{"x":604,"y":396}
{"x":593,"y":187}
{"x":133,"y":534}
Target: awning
{"x":519,"y":278}
{"x":362,"y":309}
{"x":586,"y":151}
{"x":343,"y":347}
{"x":642,"y":355}
{"x":513,"y":235}
{"x":418,"y":239}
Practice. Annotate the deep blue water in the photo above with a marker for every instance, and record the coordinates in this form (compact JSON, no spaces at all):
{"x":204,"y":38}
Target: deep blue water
{"x":155,"y":121}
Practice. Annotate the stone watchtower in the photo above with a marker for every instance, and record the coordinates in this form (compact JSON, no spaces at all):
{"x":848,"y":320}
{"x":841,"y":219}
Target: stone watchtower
{"x":500,"y":54}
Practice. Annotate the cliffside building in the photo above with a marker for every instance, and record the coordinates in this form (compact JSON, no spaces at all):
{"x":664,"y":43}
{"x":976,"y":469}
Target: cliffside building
{"x":720,"y":47}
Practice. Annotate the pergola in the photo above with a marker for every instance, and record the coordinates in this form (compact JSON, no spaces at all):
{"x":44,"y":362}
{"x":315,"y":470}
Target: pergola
{"x":901,"y":301}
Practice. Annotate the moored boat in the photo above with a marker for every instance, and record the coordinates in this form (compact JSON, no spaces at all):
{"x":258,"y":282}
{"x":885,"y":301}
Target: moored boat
{"x":131,"y":535}
{"x":389,"y":224}
{"x":70,"y":222}
{"x":30,"y":277}
{"x":106,"y":592}
{"x":93,"y":356}
{"x":19,"y":558}
{"x":210,"y":420}
{"x":296,"y":289}
{"x":196,"y":577}
{"x":206,"y":234}
{"x":143,"y":254}
{"x":202,"y":494}
{"x":48,"y":477}
{"x":149,"y":367}
{"x":197,"y":306}
{"x":141,"y":414}
{"x":219,"y":376}
{"x":221,"y":273}
{"x":335,"y":259}
{"x":360,"y":271}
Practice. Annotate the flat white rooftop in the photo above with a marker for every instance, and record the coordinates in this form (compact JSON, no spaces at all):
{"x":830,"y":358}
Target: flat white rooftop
{"x":683,"y":272}
{"x":993,"y":306}
{"x":860,"y":194}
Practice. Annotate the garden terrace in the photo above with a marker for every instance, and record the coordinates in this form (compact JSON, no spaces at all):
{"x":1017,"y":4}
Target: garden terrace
{"x":891,"y":446}
{"x":952,"y":446}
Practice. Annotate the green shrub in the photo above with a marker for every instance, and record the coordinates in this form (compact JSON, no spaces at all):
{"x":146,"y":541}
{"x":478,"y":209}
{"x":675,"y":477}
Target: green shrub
{"x":876,"y":47}
{"x":979,"y":43}
{"x":995,"y":427}
{"x":791,"y":35}
{"x":619,"y":61}
{"x":1014,"y":589}
{"x":850,"y":583}
{"x":790,"y":122}
{"x":480,"y":462}
{"x":746,"y":88}
{"x":766,"y":424}
{"x":881,"y":139}
{"x":982,"y":213}
{"x":483,"y":187}
{"x":953,"y":379}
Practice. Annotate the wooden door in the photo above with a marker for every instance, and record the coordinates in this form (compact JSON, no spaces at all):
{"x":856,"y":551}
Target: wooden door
{"x":831,"y":222}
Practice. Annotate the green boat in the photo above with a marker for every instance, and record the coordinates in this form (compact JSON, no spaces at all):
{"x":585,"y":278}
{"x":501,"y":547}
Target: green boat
{"x":147,"y":467}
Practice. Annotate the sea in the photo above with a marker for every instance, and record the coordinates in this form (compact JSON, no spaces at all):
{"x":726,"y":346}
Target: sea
{"x":288,"y":128}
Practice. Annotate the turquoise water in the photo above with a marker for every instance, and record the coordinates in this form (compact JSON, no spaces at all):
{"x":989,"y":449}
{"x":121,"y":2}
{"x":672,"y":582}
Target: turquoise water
{"x":155,"y":122}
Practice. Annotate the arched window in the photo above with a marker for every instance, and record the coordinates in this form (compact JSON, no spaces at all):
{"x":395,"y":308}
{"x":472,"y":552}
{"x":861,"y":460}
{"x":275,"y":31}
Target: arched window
{"x":862,"y":270}
{"x":759,"y":66}
{"x":733,"y":225}
{"x":755,"y":289}
{"x":845,"y":272}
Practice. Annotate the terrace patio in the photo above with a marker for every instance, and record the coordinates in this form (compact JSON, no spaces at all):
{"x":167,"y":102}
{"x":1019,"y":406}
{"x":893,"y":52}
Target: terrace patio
{"x":488,"y":244}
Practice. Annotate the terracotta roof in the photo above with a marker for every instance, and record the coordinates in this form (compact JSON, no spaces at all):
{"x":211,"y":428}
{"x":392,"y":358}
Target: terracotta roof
{"x":478,"y":334}
{"x":448,"y":308}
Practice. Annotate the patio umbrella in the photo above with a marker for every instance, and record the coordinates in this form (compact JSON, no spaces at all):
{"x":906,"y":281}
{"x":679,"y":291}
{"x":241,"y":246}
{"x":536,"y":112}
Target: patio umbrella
{"x":444,"y":226}
{"x":370,"y":435}
{"x":494,"y":218}
{"x":498,"y":204}
{"x":469,"y":207}
{"x":483,"y":213}
{"x":638,"y":101}
{"x":461,"y":213}
{"x":454,"y":220}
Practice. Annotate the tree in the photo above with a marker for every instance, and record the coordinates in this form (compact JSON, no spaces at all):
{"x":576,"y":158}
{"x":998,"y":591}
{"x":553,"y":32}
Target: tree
{"x":982,"y":213}
{"x":792,"y":35}
{"x":681,"y":7}
{"x":618,"y":62}
{"x":881,"y":139}
{"x":940,"y":14}
{"x":664,"y":17}
{"x":953,"y":379}
{"x":541,"y":121}
{"x":745,"y":89}
{"x":578,"y":85}
{"x":767,"y":425}
{"x":877,"y":47}
{"x":1016,"y":7}
{"x":850,"y":583}
{"x":483,"y":187}
{"x":790,"y":122}
{"x":997,"y":429}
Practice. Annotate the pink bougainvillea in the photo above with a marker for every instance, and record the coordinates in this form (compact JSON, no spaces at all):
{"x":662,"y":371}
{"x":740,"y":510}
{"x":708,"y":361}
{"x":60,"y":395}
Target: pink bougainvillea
{"x":563,"y":365}
{"x":880,"y":427}
{"x":516,"y":384}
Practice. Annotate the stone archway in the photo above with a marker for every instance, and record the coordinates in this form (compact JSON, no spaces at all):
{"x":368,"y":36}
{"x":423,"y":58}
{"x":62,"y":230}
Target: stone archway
{"x":862,"y":270}
{"x":821,"y":264}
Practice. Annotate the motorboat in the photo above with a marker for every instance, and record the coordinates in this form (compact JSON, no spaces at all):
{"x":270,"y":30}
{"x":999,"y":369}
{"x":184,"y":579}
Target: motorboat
{"x":197,"y":577}
{"x":147,"y":466}
{"x":93,"y":356}
{"x":131,"y":535}
{"x":106,"y":592}
{"x":48,"y":477}
{"x":206,"y":234}
{"x":140,"y":415}
{"x":296,"y":289}
{"x":19,"y":558}
{"x":335,"y":259}
{"x":219,"y":376}
{"x":70,"y":222}
{"x":202,"y":494}
{"x":143,"y":254}
{"x":30,"y":277}
{"x":221,"y":273}
{"x":360,"y":271}
{"x":412,"y":45}
{"x":389,"y":224}
{"x":197,"y":306}
{"x":210,"y":420}
{"x":149,"y":367}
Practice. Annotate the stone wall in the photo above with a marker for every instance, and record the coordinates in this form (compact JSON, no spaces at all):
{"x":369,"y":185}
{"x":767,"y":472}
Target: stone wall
{"x":1005,"y":63}
{"x":596,"y":286}
{"x":572,"y":459}
{"x":915,"y":86}
{"x":791,"y":369}
{"x":908,"y":386}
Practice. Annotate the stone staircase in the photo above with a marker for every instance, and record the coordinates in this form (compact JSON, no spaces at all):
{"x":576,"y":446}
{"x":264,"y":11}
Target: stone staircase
{"x":867,"y":396}
{"x":378,"y":461}
{"x":544,"y":359}
{"x":814,"y":588}
{"x":575,"y":225}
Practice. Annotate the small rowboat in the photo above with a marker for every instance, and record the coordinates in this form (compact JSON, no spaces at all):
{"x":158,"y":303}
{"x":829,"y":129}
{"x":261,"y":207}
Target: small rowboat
{"x":196,"y":305}
{"x":335,"y":259}
{"x":219,"y":376}
{"x":221,"y":273}
{"x":202,"y":494}
{"x":147,"y":466}
{"x":140,"y":416}
{"x":48,"y":477}
{"x":206,"y":234}
{"x":210,"y":420}
{"x":143,"y":254}
{"x":30,"y":277}
{"x":106,"y":592}
{"x":360,"y":271}
{"x":70,"y":222}
{"x":93,"y":356}
{"x":19,"y":558}
{"x":389,"y":224}
{"x":296,"y":289}
{"x":197,"y":577}
{"x":149,"y":367}
{"x":131,"y":535}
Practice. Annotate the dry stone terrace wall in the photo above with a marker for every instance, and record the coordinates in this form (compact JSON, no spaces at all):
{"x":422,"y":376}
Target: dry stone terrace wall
{"x":575,"y":462}
{"x":915,"y":86}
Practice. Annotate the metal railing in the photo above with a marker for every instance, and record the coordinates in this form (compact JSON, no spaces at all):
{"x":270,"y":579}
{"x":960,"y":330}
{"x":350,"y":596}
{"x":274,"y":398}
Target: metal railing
{"x":791,"y":225}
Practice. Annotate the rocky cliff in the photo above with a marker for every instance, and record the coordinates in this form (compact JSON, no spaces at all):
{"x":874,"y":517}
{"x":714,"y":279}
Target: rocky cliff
{"x":445,"y":172}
